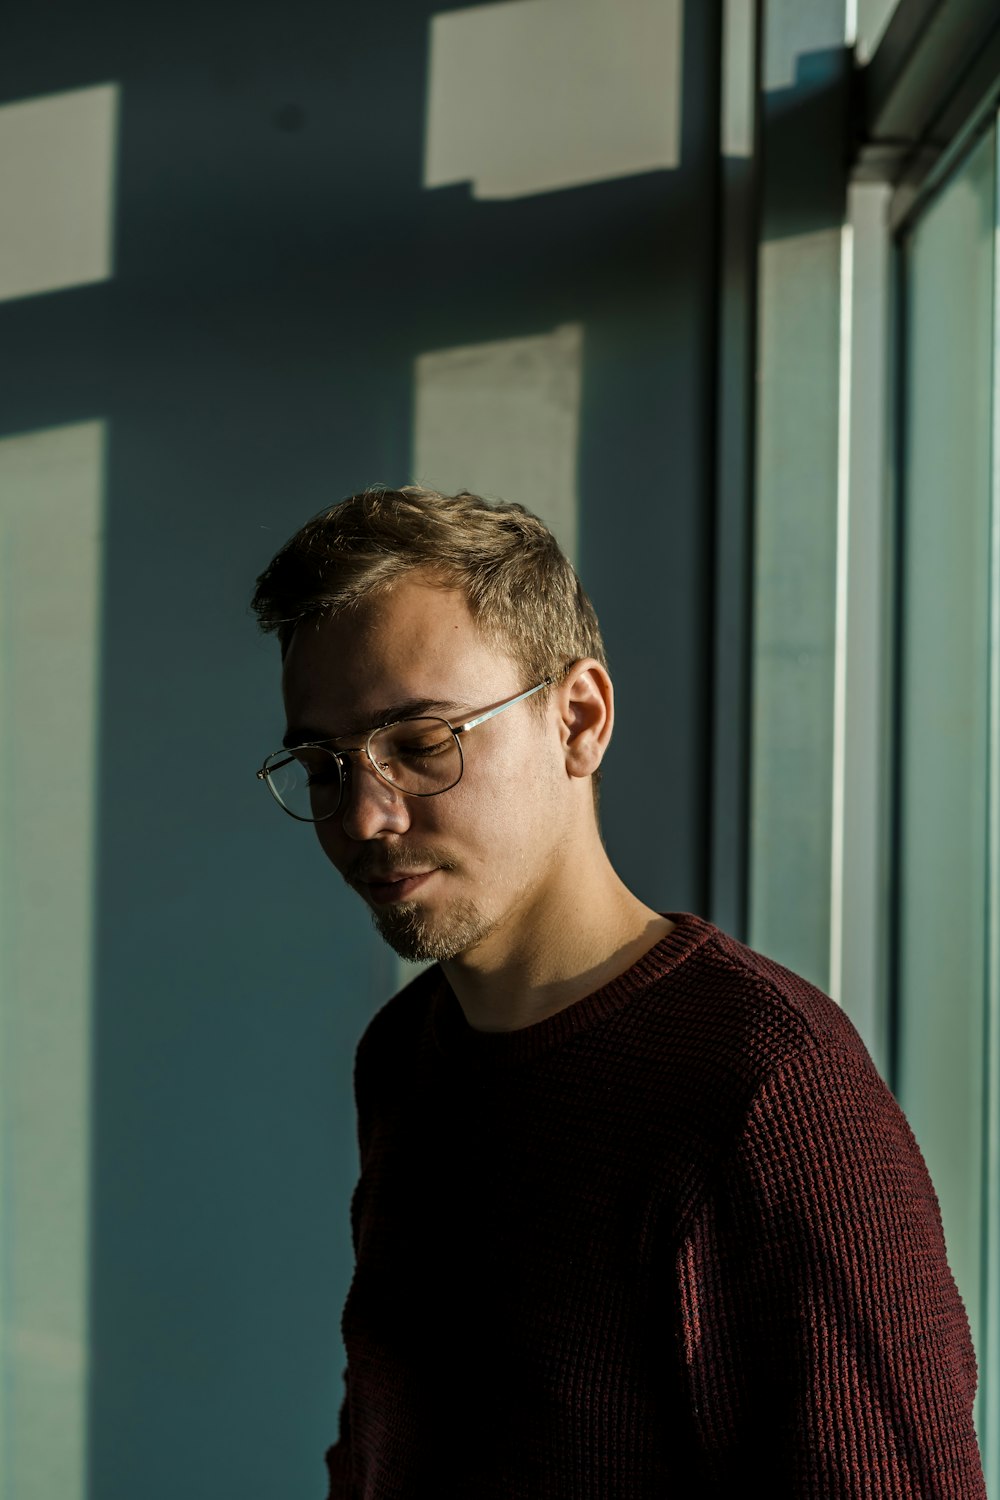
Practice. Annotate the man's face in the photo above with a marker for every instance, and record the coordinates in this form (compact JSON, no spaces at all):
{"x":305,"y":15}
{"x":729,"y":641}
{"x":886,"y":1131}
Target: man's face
{"x":447,"y":874}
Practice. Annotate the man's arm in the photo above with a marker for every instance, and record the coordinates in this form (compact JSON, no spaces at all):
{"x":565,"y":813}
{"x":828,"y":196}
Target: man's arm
{"x":366,"y":1071}
{"x":338,"y":1458}
{"x":827,"y":1348}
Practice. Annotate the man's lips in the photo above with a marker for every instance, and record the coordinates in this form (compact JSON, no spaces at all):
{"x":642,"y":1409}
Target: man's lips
{"x":397,"y":886}
{"x":386,"y":876}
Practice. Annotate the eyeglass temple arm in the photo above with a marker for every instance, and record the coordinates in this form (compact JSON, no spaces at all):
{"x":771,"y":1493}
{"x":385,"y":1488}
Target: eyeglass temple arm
{"x":491,"y":713}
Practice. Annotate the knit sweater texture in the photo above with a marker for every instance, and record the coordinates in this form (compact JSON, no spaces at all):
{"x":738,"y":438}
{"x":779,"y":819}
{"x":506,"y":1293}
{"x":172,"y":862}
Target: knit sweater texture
{"x":677,"y":1241}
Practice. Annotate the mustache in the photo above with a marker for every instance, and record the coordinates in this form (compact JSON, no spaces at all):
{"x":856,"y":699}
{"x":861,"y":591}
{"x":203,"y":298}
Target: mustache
{"x":390,"y":865}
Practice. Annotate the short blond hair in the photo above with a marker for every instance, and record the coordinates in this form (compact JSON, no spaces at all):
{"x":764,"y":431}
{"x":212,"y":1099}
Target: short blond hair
{"x":522,"y":591}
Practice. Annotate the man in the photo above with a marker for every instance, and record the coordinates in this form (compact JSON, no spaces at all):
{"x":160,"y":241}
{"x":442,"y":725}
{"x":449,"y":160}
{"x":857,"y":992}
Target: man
{"x":636,"y":1215}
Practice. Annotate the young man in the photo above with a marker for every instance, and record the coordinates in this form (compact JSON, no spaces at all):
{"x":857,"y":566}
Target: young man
{"x":636,"y":1215}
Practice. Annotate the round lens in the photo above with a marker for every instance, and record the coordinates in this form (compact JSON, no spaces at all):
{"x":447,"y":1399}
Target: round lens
{"x":420,"y":756}
{"x":306,"y":781}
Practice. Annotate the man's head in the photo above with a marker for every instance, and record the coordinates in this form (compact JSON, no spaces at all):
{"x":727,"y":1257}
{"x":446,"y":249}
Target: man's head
{"x":522,"y":592}
{"x":403,"y":602}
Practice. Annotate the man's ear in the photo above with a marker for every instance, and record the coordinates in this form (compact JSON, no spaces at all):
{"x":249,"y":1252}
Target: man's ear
{"x":586,"y":702}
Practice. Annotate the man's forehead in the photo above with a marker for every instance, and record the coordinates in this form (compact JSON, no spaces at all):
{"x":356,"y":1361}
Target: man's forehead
{"x":420,"y":653}
{"x":397,"y":630}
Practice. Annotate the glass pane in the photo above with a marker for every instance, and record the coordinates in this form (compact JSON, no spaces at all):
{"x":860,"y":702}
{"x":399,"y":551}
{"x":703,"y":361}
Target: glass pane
{"x":948,"y":268}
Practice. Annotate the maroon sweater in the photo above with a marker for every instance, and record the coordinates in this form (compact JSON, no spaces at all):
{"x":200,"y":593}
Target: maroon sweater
{"x":676,"y":1239}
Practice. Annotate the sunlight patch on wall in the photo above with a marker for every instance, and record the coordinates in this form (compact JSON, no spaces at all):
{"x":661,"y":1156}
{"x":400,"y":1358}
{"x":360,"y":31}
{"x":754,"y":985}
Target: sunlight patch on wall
{"x":532,"y":95}
{"x":739,"y":82}
{"x":873,"y":17}
{"x":57,"y":157}
{"x":503,"y":419}
{"x":51,"y":484}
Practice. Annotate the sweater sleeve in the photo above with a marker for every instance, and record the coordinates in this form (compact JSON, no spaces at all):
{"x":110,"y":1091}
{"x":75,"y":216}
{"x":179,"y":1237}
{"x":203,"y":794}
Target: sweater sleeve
{"x":366,"y":1071}
{"x":826,"y":1348}
{"x":338,"y":1459}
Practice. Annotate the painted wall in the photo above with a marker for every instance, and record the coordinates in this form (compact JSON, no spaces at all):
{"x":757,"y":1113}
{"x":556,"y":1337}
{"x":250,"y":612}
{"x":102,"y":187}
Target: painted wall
{"x":259,"y":255}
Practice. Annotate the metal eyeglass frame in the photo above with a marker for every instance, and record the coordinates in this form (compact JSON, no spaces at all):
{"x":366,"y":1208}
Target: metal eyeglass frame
{"x":340,"y":755}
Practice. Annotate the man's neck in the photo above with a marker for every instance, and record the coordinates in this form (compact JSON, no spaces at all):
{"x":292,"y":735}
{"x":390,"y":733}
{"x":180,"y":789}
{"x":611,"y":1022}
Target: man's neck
{"x":580,"y":942}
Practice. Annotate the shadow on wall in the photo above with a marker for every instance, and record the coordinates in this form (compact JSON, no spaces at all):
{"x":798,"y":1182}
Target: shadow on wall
{"x":278,"y":268}
{"x":805,"y":144}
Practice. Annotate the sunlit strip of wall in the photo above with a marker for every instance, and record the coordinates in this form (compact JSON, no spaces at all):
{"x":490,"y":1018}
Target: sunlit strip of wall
{"x":850,"y":23}
{"x":738,"y":112}
{"x":867,"y":22}
{"x":989,"y":1352}
{"x":840,"y":625}
{"x":843,"y":553}
{"x":503,"y":419}
{"x":51,"y":485}
{"x":860,"y":781}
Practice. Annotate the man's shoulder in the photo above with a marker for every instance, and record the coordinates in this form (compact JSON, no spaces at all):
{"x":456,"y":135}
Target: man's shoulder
{"x":732,"y":1001}
{"x":783,"y":996}
{"x":716,"y":1033}
{"x":396,"y":1028}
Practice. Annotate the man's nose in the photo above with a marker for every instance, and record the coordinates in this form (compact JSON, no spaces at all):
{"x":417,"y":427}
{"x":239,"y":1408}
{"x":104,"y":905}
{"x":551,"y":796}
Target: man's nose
{"x":370,"y":806}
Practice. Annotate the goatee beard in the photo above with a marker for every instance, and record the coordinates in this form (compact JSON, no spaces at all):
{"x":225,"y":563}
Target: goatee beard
{"x":408,"y":933}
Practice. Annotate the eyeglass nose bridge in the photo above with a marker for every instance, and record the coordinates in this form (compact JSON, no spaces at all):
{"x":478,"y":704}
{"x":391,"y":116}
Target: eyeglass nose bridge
{"x":365,"y":750}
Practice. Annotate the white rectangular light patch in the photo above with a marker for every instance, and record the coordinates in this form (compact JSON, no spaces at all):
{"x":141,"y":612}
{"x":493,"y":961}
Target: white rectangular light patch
{"x":532,"y":95}
{"x":503,"y":419}
{"x":51,"y":547}
{"x":57,"y":167}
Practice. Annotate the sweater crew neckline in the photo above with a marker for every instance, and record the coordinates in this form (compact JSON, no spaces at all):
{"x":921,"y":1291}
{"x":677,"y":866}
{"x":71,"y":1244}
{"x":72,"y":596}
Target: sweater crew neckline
{"x":457,"y":1039}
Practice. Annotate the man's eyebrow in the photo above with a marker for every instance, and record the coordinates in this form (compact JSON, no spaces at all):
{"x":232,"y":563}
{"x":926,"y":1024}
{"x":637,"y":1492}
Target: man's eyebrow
{"x":409,"y":708}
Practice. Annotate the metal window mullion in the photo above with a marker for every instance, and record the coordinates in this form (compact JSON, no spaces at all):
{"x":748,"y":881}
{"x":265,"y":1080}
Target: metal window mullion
{"x":989,"y":1392}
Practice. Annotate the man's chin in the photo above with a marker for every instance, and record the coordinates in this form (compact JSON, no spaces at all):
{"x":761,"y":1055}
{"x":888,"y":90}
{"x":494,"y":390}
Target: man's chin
{"x":410,"y":933}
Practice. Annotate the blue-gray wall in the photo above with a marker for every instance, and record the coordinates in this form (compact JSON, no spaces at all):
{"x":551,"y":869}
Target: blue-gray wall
{"x":278,"y":267}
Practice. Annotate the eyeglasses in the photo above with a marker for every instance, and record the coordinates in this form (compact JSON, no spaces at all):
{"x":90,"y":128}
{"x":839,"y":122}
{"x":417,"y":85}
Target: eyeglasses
{"x":419,"y":757}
